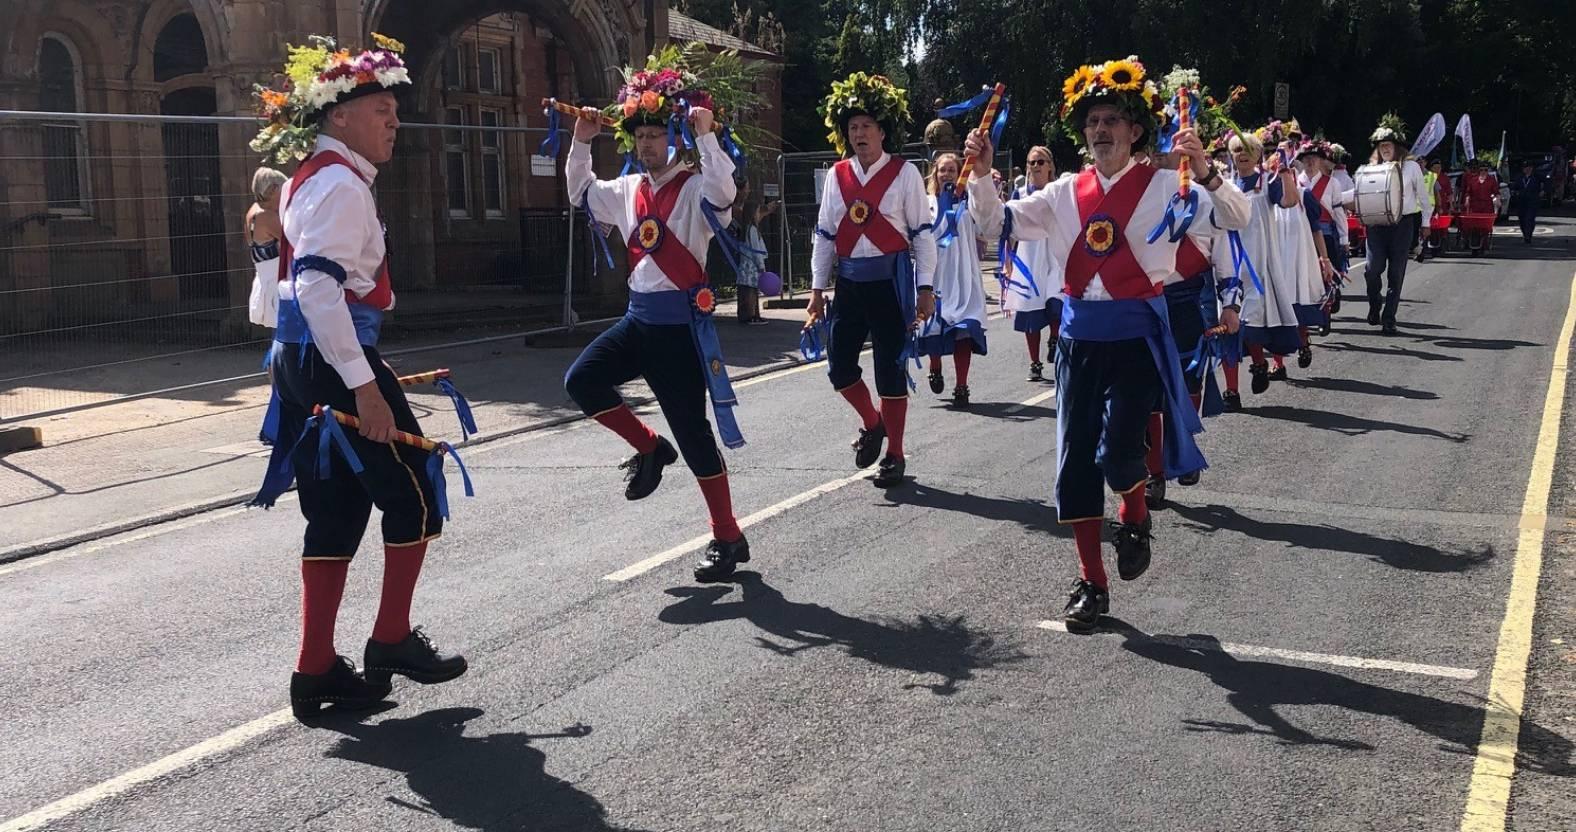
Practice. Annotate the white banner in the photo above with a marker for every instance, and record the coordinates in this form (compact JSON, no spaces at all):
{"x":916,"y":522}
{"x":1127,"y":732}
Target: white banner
{"x":1433,"y":133}
{"x":1464,"y":130}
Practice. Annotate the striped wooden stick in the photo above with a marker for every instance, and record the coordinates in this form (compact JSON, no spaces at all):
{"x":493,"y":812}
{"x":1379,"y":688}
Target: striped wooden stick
{"x":400,"y":436}
{"x":576,"y":112}
{"x":985,"y":124}
{"x":1184,"y":121}
{"x":423,"y":378}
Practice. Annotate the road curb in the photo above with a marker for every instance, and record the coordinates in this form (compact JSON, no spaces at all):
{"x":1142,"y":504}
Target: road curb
{"x":239,"y":498}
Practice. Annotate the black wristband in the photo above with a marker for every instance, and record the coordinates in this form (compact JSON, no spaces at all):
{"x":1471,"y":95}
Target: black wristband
{"x":1211,"y":177}
{"x":930,"y":289}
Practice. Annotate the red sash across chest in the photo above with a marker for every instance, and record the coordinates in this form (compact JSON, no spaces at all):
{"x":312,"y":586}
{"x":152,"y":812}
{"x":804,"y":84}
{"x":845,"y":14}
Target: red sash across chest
{"x":1318,"y":193}
{"x":1191,"y":261}
{"x":1119,"y":270}
{"x":382,"y":294}
{"x":864,"y":218}
{"x":652,"y":237}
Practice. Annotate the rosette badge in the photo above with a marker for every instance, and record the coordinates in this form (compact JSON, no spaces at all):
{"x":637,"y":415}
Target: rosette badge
{"x":859,"y":212}
{"x":1100,"y":235}
{"x":650,"y":234}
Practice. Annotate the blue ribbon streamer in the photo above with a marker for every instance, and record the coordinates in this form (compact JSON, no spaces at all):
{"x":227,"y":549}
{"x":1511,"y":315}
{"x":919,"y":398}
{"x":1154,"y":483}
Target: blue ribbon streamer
{"x":734,"y":150}
{"x":1001,"y":122}
{"x":281,"y":468}
{"x":1239,"y":260}
{"x":1180,"y":212}
{"x":732,"y":247}
{"x":949,"y":213}
{"x":1004,"y":251}
{"x":1169,"y":132}
{"x":554,"y":141}
{"x":962,"y":107}
{"x":440,"y":486}
{"x":462,"y":408}
{"x":329,"y":432}
{"x":812,"y":341}
{"x":596,"y":229}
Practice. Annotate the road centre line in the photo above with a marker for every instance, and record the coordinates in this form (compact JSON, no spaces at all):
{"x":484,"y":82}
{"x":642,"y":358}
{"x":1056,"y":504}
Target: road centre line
{"x":1488,"y":794}
{"x":1022,"y":406}
{"x":1232,"y":649}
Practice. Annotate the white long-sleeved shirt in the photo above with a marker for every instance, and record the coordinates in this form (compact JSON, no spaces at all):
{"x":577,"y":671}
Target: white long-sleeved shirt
{"x":1052,"y":213}
{"x":1413,"y":186}
{"x":613,"y":201}
{"x":334,"y":216}
{"x":905,"y":205}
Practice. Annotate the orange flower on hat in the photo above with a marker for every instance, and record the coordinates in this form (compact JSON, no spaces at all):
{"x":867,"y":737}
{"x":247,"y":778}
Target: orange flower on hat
{"x":650,"y":101}
{"x":631,"y":106}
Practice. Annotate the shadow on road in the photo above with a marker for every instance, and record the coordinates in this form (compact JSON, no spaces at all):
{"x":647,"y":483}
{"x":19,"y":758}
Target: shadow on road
{"x":1007,"y":411}
{"x":493,"y":782}
{"x":1367,"y":388}
{"x":942,"y":646}
{"x":1400,"y":554}
{"x":1346,"y":424}
{"x":1257,"y":688}
{"x":1034,"y":515}
{"x":1398,"y":352}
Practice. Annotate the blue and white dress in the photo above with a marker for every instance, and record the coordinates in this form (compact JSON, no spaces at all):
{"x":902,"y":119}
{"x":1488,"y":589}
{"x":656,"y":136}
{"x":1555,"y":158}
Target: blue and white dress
{"x":959,"y":287}
{"x":1279,"y":243}
{"x":1037,"y":306}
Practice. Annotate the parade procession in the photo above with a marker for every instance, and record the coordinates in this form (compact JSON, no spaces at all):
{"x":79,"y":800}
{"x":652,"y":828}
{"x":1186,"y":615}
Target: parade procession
{"x":1040,"y":531}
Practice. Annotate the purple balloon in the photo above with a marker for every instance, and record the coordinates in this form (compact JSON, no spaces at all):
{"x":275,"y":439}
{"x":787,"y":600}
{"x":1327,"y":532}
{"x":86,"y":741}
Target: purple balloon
{"x":770,"y":283}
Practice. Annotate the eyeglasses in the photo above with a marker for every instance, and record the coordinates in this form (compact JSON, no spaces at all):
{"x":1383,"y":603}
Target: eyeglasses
{"x":1034,"y":163}
{"x":1109,"y":122}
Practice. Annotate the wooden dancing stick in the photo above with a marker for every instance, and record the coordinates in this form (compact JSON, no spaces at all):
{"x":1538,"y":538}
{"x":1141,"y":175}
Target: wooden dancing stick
{"x":400,"y":436}
{"x":1215,"y":330}
{"x":985,"y":124}
{"x":424,"y":378}
{"x":571,"y":110}
{"x":1184,"y":121}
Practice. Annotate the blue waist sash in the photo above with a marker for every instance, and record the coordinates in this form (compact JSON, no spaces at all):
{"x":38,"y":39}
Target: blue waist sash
{"x":292,"y":328}
{"x":870,"y":269}
{"x":676,"y":307}
{"x":1123,"y":320}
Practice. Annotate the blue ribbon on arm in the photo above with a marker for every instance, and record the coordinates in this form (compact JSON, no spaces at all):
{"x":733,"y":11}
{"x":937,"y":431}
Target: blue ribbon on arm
{"x":554,"y":141}
{"x":734,"y":150}
{"x":1006,"y":252}
{"x":1240,"y":261}
{"x":1180,"y":212}
{"x":329,"y":432}
{"x":962,"y":107}
{"x":440,"y":486}
{"x":732,"y":247}
{"x":462,"y":408}
{"x":596,"y":228}
{"x":949,"y":213}
{"x":812,"y":341}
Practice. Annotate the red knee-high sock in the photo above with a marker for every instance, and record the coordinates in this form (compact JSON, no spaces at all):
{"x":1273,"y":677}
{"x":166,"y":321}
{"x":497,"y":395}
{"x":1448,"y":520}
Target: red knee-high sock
{"x":962,"y":353}
{"x":719,"y":504}
{"x":1302,"y":335}
{"x":1133,"y":508}
{"x":935,"y":363}
{"x":1256,"y":352}
{"x":1231,"y":377}
{"x":1198,"y":401}
{"x":1280,"y":361}
{"x":623,"y":421}
{"x":1086,"y":537}
{"x":858,"y":395}
{"x":401,"y":568}
{"x":1157,"y":435}
{"x":322,"y":585}
{"x":894,"y":414}
{"x":1034,"y":345}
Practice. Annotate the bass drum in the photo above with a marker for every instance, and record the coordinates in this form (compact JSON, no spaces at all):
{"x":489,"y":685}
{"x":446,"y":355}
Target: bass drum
{"x":1379,"y":194}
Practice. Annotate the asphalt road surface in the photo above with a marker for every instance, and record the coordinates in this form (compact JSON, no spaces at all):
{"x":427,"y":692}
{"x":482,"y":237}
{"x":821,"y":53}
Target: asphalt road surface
{"x":1312,"y":649}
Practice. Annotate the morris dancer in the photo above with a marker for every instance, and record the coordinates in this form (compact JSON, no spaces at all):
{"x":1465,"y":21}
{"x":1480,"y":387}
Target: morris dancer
{"x":668,"y":336}
{"x":1115,"y":354}
{"x":330,"y":310}
{"x":870,"y":238}
{"x":959,"y":324}
{"x":1037,"y":306}
{"x":1324,"y":198}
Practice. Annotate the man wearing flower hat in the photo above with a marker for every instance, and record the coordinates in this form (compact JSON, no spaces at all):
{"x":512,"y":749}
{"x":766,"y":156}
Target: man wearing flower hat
{"x":667,"y":337}
{"x":1116,"y":354}
{"x":340,"y":117}
{"x":870,"y":239}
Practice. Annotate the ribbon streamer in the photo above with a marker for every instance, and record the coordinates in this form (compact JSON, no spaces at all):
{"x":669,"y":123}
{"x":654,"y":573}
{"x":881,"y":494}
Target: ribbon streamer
{"x":1007,"y":255}
{"x":1239,"y":260}
{"x":554,"y":141}
{"x":812,"y":341}
{"x":732,"y":247}
{"x":962,"y":107}
{"x":440,"y":486}
{"x":462,"y":408}
{"x":987,"y":121}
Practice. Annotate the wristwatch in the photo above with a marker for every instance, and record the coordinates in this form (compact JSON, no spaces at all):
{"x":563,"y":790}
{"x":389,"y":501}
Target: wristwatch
{"x":1210,"y":177}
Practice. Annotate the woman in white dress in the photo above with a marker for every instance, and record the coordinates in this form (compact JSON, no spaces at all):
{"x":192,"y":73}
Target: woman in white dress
{"x":1036,"y":305}
{"x":958,"y":327}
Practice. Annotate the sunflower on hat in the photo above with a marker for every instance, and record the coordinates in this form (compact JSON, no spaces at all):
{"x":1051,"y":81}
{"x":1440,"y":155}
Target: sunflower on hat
{"x":315,"y":78}
{"x":861,"y":94}
{"x":676,"y":80}
{"x":1122,"y":83}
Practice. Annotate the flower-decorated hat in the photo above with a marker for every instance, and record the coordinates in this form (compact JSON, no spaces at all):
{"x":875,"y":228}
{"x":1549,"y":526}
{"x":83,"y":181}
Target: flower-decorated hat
{"x":1315,"y":146}
{"x":1338,"y":152}
{"x":1120,"y":83}
{"x":315,"y":78}
{"x":1391,"y":129}
{"x":862,"y":94}
{"x":677,"y":79}
{"x":1211,"y":117}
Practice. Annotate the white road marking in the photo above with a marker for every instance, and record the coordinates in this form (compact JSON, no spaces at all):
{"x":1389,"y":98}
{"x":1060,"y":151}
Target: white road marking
{"x":1230,"y":649}
{"x":1022,"y":406}
{"x":228,"y":741}
{"x":695,"y":543}
{"x":122,"y":539}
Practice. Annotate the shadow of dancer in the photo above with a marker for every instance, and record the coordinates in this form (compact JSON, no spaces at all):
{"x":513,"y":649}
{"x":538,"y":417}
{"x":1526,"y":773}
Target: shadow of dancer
{"x":1346,"y":424}
{"x":937,"y":645}
{"x":1400,"y":554}
{"x":1258,"y":688}
{"x":494,"y":782}
{"x":1032,"y":514}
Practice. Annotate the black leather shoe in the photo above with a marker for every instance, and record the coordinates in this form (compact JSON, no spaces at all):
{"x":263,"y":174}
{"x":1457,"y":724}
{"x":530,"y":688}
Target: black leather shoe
{"x":645,"y":470}
{"x":1324,"y":329}
{"x":1278,"y":374}
{"x":1085,"y":604}
{"x":1131,"y":541}
{"x":1373,"y":316}
{"x":1261,"y":377}
{"x":416,"y":658}
{"x":890,"y":473}
{"x":1155,"y":491}
{"x":1389,"y":328}
{"x":1036,"y":371}
{"x":1232,"y":400}
{"x":720,"y":559}
{"x":1305,"y":357}
{"x":867,"y":446}
{"x":1190,"y":479}
{"x":960,"y":397}
{"x":1335,"y":305}
{"x":938,"y":385}
{"x":341,"y":687}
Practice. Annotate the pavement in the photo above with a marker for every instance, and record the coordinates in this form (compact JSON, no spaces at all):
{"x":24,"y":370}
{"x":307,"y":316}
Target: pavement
{"x":1313,"y":649}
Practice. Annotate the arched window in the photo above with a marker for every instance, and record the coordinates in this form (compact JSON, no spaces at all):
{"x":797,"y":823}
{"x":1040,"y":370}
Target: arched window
{"x":179,"y":49}
{"x":65,"y":142}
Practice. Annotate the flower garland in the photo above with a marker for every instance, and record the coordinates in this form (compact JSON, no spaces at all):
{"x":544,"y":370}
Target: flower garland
{"x":1391,"y":129}
{"x":678,"y":79}
{"x":864,"y":94}
{"x":1121,"y":83}
{"x":314,"y":77}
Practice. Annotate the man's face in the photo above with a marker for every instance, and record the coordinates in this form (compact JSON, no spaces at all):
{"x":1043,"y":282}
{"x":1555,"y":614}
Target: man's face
{"x":368,"y":125}
{"x":865,"y":136}
{"x":651,"y":146}
{"x":1109,"y":134}
{"x":1387,"y":151}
